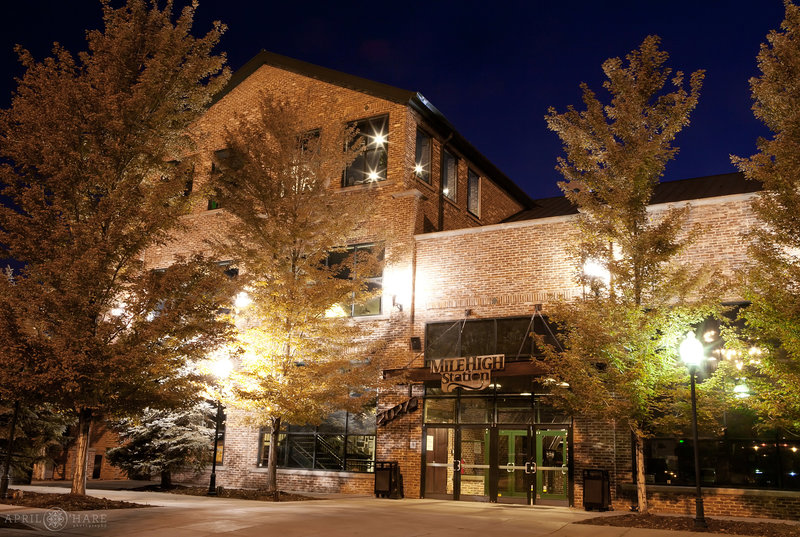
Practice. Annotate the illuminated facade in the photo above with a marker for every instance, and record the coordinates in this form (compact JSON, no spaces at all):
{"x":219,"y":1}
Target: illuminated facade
{"x":482,"y":263}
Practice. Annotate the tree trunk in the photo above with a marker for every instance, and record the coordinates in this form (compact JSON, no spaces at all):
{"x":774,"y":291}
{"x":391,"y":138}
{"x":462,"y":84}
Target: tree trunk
{"x":641,"y":486}
{"x":81,"y":451}
{"x":272,"y":460}
{"x":166,"y":479}
{"x":9,"y":450}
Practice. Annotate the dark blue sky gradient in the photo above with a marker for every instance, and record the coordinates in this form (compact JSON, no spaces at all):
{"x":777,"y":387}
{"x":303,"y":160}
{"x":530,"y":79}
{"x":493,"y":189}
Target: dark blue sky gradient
{"x":492,"y":67}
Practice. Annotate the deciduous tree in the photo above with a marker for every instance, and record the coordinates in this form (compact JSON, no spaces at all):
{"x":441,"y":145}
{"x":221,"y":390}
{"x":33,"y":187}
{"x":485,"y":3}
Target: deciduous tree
{"x":302,"y":358}
{"x":772,"y":282}
{"x":620,"y":341}
{"x":90,"y":149}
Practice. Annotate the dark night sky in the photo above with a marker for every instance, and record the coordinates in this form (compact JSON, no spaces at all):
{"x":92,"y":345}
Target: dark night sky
{"x":492,"y":67}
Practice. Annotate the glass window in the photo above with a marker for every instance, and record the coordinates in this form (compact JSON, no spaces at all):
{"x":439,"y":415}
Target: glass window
{"x":742,"y":459}
{"x":343,"y":442}
{"x":478,"y":338}
{"x":422,"y":157}
{"x":440,"y":410}
{"x":449,"y":175}
{"x":510,"y":336}
{"x":473,"y":193}
{"x":371,"y":164}
{"x":514,"y":410}
{"x":365,"y":261}
{"x":329,"y":453}
{"x":513,"y":337}
{"x":360,"y":453}
{"x":441,"y":340}
{"x":335,"y":423}
{"x":309,"y":142}
{"x":363,"y":423}
{"x":475,"y":410}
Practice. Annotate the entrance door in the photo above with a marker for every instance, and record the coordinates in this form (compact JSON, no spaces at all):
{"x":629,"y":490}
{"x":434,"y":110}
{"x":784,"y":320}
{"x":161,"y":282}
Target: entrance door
{"x":474,"y":464}
{"x":513,"y":461}
{"x":552,"y":475}
{"x":478,"y":463}
{"x":439,"y":463}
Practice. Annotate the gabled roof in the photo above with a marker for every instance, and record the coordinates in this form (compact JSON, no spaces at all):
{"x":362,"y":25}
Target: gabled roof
{"x":710,"y":186}
{"x":432,"y":116}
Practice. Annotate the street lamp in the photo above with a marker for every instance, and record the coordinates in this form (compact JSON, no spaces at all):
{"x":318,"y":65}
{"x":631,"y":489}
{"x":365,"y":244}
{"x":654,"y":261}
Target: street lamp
{"x":221,"y":368}
{"x":691,"y":351}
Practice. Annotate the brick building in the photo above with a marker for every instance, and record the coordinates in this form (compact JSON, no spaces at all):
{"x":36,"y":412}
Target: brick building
{"x":481,"y":263}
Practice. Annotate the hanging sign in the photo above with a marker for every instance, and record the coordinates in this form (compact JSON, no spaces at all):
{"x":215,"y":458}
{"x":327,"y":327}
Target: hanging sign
{"x":469,"y":373}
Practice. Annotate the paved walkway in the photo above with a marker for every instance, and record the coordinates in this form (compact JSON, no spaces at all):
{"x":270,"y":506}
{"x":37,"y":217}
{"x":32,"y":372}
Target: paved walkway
{"x":176,"y":515}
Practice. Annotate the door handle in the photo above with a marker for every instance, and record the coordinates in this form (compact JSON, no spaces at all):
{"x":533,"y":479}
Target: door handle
{"x":510,"y":467}
{"x":457,"y":465}
{"x":564,"y":469}
{"x":530,"y":467}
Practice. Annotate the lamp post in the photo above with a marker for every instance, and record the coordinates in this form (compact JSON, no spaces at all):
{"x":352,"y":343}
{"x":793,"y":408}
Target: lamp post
{"x":691,"y":351}
{"x":221,"y":368}
{"x":212,"y":484}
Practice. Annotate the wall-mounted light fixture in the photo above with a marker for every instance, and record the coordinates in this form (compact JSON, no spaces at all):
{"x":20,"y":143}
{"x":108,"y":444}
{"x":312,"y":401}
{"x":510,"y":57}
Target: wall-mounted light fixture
{"x":395,"y":304}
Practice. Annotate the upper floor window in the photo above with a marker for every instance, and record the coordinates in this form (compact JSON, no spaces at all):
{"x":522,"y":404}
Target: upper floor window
{"x":512,"y":336}
{"x":309,"y":142}
{"x":449,"y":174}
{"x":220,"y":162}
{"x":473,"y":193}
{"x":360,"y":261}
{"x":370,"y":165}
{"x":422,"y":157}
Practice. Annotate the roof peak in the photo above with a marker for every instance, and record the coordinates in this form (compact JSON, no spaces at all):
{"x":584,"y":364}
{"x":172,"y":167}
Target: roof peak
{"x":382,"y":91}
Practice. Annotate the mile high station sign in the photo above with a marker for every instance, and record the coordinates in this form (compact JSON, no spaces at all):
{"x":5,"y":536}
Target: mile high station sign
{"x":469,"y":373}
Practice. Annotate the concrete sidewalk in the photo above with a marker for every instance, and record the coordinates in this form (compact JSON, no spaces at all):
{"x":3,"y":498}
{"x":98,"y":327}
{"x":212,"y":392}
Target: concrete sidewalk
{"x":175,"y":515}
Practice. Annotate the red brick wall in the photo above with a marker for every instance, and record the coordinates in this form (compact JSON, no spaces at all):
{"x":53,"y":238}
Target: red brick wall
{"x":724,"y":502}
{"x":504,"y":270}
{"x":402,"y":203}
{"x":602,"y":445}
{"x":101,"y":438}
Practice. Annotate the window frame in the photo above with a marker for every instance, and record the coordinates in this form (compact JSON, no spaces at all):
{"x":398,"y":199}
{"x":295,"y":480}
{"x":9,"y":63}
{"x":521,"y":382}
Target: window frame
{"x":313,"y":435}
{"x":423,"y":161}
{"x":528,"y":349}
{"x":443,"y":172}
{"x":379,"y":152}
{"x":352,"y":310}
{"x":476,"y":198}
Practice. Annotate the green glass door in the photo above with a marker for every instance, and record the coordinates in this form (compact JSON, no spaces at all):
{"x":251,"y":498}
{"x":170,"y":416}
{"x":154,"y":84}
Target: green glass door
{"x":513,"y":454}
{"x":552,"y":465}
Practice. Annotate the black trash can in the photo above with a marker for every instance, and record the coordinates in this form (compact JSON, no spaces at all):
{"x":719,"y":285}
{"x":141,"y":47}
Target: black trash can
{"x":388,"y":481}
{"x":596,"y":490}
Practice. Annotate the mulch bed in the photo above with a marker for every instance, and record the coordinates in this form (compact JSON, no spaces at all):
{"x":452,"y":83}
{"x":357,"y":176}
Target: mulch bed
{"x":680,"y":523}
{"x":67,"y":502}
{"x":239,"y":494}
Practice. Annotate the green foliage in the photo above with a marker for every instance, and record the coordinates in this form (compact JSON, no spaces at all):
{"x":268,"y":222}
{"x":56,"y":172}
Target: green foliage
{"x":772,"y":282}
{"x":40,"y":433}
{"x":89,"y":149}
{"x":620,"y":342}
{"x":162,"y":442}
